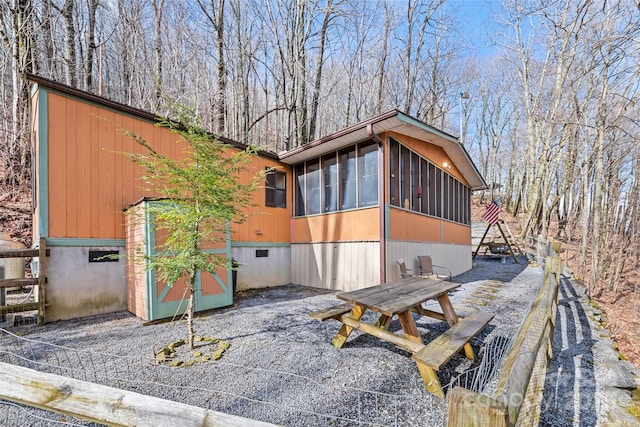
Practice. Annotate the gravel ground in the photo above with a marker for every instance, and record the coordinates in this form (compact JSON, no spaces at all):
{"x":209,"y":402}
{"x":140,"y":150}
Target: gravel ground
{"x":280,"y":366}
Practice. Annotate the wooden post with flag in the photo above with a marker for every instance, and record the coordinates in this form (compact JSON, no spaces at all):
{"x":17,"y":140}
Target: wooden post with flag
{"x":492,"y":216}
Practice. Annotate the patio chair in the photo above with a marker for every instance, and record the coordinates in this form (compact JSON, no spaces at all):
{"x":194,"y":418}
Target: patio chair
{"x":427,"y":267}
{"x":404,"y":271}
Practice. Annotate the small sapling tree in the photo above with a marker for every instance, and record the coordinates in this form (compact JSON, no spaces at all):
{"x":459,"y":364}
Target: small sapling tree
{"x":199,"y":194}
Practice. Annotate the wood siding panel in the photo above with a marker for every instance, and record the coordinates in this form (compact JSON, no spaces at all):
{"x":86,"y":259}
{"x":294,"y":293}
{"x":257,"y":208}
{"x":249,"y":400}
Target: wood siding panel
{"x":57,"y":167}
{"x":136,"y":274}
{"x":456,"y":233}
{"x":356,"y":225}
{"x":407,"y":225}
{"x":90,"y":181}
{"x":341,"y":266}
{"x":71,"y":164}
{"x":264,"y":223}
{"x":83,"y":170}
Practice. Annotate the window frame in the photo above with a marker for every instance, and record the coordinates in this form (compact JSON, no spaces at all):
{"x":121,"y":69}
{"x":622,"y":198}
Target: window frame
{"x":273,"y":195}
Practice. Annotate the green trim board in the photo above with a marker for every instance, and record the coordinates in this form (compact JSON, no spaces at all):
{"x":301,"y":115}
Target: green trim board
{"x":43,"y":159}
{"x":80,"y":242}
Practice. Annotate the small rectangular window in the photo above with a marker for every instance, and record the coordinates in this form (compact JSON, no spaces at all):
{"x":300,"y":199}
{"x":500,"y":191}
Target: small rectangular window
{"x":103,"y":256}
{"x":276,"y":189}
{"x":262,"y":253}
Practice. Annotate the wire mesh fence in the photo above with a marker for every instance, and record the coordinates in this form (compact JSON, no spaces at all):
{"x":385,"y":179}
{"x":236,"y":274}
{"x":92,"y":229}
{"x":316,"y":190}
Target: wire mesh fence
{"x":328,"y":404}
{"x":12,"y":414}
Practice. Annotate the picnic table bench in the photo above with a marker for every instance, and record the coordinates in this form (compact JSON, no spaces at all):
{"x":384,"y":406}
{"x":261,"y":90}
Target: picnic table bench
{"x":401,"y":298}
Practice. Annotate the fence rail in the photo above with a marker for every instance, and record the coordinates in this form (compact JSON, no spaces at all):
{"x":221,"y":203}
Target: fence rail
{"x":516,"y":400}
{"x":41,"y":253}
{"x":104,"y":404}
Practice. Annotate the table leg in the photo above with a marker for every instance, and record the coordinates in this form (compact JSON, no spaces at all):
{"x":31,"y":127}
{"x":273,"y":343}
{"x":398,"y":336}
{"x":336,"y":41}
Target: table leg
{"x":452,"y":319}
{"x":344,"y":332}
{"x":447,"y":310}
{"x":430,"y":380}
{"x":409,"y":327}
{"x":383,"y":321}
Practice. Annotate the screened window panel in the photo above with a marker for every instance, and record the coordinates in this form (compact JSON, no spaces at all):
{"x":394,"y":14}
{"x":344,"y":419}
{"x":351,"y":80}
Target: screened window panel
{"x":298,"y":179}
{"x":405,"y":177}
{"x":439,"y":190}
{"x":367,"y":174}
{"x":424,"y":186}
{"x":415,"y":181}
{"x":348,"y":178}
{"x":312,"y":181}
{"x":330,"y":183}
{"x":394,"y":173}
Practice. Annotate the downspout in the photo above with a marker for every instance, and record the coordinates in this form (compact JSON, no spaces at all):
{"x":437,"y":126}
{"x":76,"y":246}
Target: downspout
{"x":382,"y":202}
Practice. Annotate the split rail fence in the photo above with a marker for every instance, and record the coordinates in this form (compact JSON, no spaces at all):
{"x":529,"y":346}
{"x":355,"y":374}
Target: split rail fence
{"x":518,"y":395}
{"x":39,"y":282}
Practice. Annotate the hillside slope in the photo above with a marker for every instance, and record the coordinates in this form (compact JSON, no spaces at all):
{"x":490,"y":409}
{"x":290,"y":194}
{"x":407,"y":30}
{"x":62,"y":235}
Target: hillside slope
{"x":622,"y":309}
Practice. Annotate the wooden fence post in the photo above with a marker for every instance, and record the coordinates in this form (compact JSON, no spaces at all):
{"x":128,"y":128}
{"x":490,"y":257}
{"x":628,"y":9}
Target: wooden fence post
{"x":42,"y":279}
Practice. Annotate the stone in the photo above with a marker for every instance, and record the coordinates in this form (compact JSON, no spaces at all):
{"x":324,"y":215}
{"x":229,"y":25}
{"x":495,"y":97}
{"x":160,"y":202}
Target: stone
{"x":615,"y":374}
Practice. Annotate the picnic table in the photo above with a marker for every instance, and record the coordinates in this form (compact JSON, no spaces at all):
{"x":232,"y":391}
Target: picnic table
{"x":401,"y":299}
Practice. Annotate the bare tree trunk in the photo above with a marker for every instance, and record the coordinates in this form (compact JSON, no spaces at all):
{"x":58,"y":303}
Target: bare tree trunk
{"x":20,"y":44}
{"x":190,"y":310}
{"x":91,"y":45}
{"x":384,"y":56}
{"x":70,"y":43}
{"x":300,"y":67}
{"x":319,"y":65}
{"x":221,"y":76}
{"x":158,"y":8}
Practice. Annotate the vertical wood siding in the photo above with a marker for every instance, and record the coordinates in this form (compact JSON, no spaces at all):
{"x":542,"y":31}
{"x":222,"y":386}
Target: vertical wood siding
{"x":264,"y":223}
{"x":359,"y":224}
{"x":90,"y":181}
{"x":406,"y":225}
{"x":136,"y":275}
{"x":342,"y":266}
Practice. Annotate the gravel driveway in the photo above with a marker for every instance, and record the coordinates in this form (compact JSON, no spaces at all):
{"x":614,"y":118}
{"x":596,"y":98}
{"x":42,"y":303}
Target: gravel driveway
{"x":280,"y":366}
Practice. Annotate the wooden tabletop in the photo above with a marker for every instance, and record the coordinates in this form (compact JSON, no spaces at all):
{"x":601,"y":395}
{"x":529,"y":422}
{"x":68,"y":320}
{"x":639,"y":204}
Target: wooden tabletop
{"x":399,"y":296}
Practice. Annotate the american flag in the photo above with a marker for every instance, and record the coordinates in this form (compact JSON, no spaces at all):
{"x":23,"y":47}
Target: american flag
{"x":491,"y":214}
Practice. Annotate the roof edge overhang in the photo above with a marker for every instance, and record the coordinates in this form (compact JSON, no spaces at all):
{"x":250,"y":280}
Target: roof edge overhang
{"x":127,"y":109}
{"x":391,"y":121}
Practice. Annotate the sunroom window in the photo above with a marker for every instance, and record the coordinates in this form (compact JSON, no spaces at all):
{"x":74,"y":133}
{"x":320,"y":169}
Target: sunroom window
{"x":340,"y":180}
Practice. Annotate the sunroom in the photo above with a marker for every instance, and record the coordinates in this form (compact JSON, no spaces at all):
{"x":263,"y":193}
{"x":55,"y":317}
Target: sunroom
{"x":344,"y":237}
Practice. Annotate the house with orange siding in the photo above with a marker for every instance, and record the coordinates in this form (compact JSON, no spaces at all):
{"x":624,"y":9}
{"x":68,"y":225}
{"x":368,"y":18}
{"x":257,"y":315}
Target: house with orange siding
{"x":336,"y":214}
